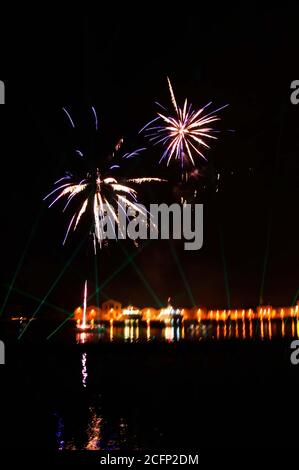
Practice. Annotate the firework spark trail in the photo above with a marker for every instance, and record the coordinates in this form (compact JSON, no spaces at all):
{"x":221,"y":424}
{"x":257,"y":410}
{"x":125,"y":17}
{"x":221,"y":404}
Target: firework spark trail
{"x":84,"y":306}
{"x":173,"y":100}
{"x":183,"y":133}
{"x":69,"y":117}
{"x":68,"y":229}
{"x":133,"y":154}
{"x":101,"y":193}
{"x":95,"y":117}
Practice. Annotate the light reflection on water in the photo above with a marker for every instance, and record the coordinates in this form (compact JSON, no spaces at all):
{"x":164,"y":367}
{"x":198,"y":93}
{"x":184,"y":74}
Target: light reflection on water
{"x":99,"y":430}
{"x":242,"y":330}
{"x":84,"y":369}
{"x":98,"y":434}
{"x":94,"y":431}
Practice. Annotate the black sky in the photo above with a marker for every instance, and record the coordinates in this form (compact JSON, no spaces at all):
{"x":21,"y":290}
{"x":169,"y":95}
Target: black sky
{"x":245,"y":56}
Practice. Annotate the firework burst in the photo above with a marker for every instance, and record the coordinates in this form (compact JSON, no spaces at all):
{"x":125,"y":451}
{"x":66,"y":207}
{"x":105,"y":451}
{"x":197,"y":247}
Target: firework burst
{"x":183,"y":133}
{"x":98,"y":193}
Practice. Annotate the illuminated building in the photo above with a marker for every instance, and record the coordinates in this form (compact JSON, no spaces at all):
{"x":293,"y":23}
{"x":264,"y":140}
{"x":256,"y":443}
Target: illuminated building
{"x":92,"y":315}
{"x":111,"y":309}
{"x":170,"y":315}
{"x":150,"y":314}
{"x":131,"y":313}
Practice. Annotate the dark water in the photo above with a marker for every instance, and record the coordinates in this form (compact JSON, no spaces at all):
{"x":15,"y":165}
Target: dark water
{"x":241,"y":330}
{"x":151,"y":395}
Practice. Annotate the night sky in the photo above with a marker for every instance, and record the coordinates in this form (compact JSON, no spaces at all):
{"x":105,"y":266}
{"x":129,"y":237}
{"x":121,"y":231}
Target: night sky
{"x":246,"y":56}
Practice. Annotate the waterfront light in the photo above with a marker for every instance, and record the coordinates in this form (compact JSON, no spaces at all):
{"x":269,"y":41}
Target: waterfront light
{"x":250,"y":329}
{"x":86,"y":317}
{"x":270,"y":329}
{"x":282,"y":328}
{"x":148,"y":330}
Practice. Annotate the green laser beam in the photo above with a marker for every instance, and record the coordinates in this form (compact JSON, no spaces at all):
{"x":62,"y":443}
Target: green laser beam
{"x":118,"y":270}
{"x":96,"y":272}
{"x":143,"y":279}
{"x":53,"y":286}
{"x":182,"y":274}
{"x":221,"y":239}
{"x":106,"y":282}
{"x":54,"y":307}
{"x":186,"y":284}
{"x":274,"y":191}
{"x":295,"y":298}
{"x":287,"y":320}
{"x":37,"y":299}
{"x":59,"y":326}
{"x":20,"y":263}
{"x":70,"y":315}
{"x":266,"y":258}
